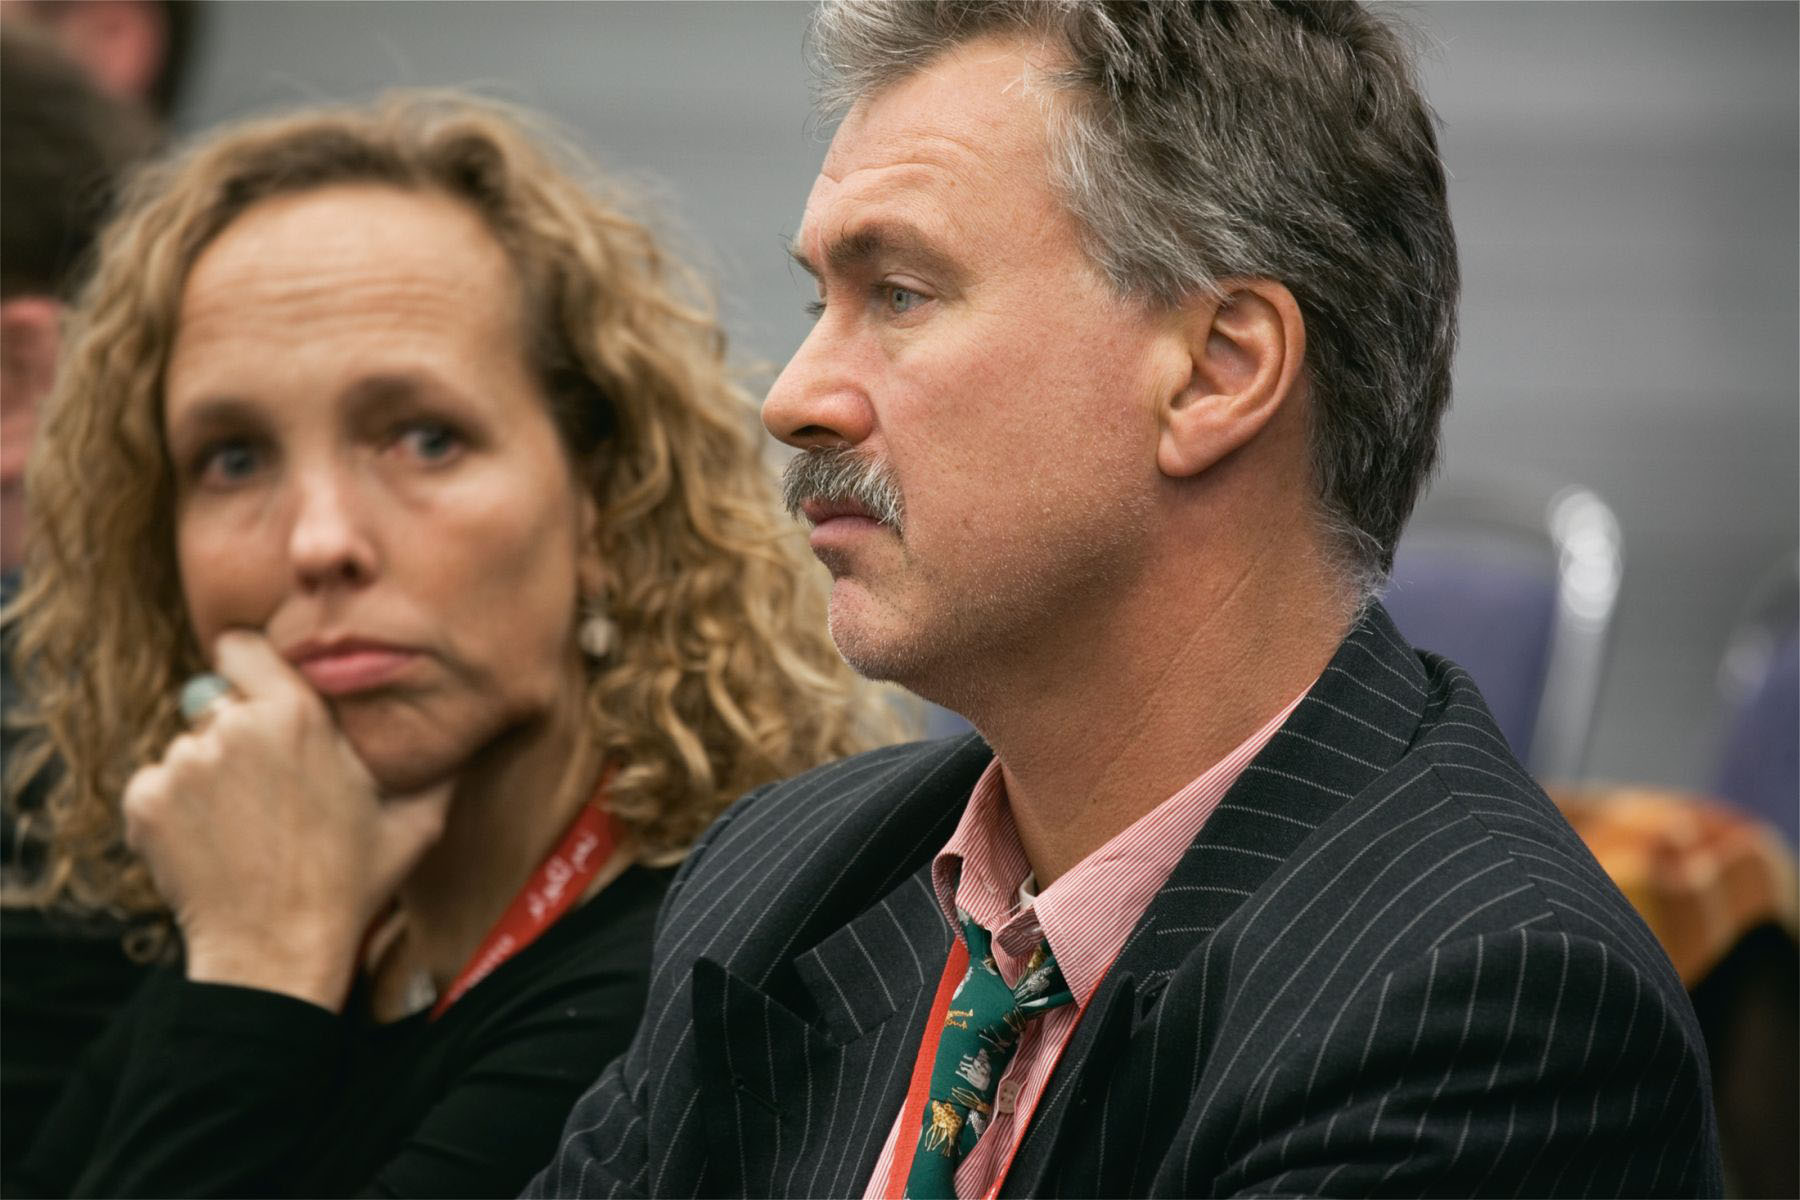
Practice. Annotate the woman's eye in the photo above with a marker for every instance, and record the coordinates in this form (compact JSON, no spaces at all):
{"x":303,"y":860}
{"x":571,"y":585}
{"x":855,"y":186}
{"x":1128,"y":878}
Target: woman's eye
{"x":226,"y":464}
{"x":430,"y":441}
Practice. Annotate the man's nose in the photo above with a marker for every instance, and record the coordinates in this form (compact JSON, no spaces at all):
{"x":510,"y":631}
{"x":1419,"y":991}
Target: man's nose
{"x":820,"y":398}
{"x":330,"y":541}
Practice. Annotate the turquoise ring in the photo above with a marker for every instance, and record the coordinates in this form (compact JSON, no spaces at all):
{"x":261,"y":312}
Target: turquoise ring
{"x":201,"y":694}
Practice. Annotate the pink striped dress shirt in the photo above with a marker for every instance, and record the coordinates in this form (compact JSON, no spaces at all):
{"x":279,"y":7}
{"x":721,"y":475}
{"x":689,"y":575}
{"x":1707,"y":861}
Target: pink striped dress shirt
{"x":1086,"y":915}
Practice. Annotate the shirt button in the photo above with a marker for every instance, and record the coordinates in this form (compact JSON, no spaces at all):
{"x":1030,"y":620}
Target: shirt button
{"x":1007,"y":1098}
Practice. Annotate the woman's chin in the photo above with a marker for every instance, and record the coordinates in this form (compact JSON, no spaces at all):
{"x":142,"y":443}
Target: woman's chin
{"x":408,"y":748}
{"x":397,"y":784}
{"x":402,"y":766}
{"x":397,"y":778}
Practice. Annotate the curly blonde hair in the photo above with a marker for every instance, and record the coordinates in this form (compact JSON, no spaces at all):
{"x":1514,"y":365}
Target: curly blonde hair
{"x":723,"y":676}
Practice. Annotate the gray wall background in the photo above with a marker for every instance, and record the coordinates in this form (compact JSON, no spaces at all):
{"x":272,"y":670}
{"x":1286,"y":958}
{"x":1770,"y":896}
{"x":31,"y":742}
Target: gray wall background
{"x":1626,"y":182}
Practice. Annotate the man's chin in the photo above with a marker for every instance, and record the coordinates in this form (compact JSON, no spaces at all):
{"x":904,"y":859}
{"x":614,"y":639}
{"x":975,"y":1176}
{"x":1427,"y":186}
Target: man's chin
{"x":866,"y":633}
{"x":845,"y":546}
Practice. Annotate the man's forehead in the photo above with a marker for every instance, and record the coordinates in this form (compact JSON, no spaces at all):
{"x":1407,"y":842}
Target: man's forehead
{"x":899,"y":184}
{"x":975,"y":98}
{"x":966,"y":117}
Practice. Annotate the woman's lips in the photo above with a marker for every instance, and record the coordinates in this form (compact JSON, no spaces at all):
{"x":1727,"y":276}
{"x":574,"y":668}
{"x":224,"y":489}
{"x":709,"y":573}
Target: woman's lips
{"x":353,"y":668}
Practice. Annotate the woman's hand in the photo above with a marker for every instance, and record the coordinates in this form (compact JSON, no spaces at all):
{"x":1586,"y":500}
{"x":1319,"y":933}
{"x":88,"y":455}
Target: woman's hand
{"x":267,"y":838}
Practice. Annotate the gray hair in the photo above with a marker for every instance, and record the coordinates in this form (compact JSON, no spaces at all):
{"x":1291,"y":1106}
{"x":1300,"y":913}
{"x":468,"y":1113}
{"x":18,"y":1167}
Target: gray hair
{"x":1203,"y":141}
{"x":839,"y":473}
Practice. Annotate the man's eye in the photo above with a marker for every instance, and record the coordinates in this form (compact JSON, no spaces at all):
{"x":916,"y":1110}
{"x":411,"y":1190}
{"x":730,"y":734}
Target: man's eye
{"x":430,"y":441}
{"x":899,"y":299}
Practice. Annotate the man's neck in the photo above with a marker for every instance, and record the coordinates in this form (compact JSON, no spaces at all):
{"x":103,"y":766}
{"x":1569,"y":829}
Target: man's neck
{"x":1090,"y":744}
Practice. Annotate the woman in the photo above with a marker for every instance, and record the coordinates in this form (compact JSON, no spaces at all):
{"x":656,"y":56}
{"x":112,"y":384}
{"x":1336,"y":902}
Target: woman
{"x":401,"y":440}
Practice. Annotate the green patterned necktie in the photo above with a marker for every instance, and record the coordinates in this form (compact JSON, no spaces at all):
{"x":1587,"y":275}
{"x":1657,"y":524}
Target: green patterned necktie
{"x":981,"y":1030}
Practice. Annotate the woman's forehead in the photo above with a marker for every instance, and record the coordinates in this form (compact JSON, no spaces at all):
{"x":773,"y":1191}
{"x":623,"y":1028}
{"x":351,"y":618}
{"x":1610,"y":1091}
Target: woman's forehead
{"x":348,"y":269}
{"x":323,"y":236}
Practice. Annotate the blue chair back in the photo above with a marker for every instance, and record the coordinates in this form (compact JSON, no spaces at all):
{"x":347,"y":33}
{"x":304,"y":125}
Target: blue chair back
{"x":1490,"y":608}
{"x":1759,"y":770}
{"x":1517,"y":586}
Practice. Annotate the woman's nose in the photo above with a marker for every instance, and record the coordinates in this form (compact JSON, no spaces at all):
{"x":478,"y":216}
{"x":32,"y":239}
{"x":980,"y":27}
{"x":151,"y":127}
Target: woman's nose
{"x":330,"y":540}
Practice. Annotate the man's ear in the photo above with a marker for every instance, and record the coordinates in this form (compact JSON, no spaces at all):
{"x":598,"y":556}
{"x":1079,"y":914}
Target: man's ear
{"x":1247,"y":351}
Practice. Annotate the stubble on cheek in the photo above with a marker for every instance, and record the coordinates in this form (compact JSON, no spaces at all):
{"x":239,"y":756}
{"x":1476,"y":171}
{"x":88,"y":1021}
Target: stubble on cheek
{"x":1009,"y":589}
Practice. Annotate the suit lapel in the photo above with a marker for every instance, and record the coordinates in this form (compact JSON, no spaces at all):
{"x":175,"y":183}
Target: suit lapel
{"x":871,"y":968}
{"x":804,"y":1053}
{"x":1354,"y":724}
{"x":807,"y":1103}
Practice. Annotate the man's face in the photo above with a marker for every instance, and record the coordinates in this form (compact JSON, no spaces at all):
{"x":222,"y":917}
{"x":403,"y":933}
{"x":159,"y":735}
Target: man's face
{"x":969,"y":351}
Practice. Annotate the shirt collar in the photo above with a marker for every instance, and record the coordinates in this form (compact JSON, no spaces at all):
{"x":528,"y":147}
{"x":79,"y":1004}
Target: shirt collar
{"x":1089,"y":912}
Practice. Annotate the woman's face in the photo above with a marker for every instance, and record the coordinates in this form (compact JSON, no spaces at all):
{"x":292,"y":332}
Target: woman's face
{"x":366,"y":473}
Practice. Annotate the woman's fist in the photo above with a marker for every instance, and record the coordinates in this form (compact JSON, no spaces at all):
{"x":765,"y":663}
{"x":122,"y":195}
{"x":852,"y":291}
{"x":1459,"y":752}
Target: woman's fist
{"x":266,"y":836}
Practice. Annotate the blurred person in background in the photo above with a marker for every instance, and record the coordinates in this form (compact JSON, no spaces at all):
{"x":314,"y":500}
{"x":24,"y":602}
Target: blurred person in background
{"x":66,"y":145}
{"x":392,"y":434}
{"x":136,"y":51}
{"x":96,"y":82}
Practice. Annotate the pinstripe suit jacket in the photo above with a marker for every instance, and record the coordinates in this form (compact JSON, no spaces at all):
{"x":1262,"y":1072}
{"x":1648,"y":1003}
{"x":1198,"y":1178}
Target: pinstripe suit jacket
{"x":1385,"y":966}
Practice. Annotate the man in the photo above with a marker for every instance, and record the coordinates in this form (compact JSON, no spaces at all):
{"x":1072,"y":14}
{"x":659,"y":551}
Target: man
{"x":1134,"y":332}
{"x":67,"y":145}
{"x":139,"y":52}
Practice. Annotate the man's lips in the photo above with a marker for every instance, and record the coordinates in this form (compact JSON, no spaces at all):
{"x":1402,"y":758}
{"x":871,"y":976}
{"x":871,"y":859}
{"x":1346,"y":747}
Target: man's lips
{"x":820,"y":511}
{"x":345,"y":666}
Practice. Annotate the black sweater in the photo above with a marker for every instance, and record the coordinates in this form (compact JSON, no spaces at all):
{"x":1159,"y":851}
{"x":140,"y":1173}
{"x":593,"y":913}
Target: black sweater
{"x":214,"y":1090}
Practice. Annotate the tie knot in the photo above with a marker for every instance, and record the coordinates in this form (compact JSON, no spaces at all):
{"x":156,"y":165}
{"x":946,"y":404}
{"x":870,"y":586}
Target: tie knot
{"x":1039,"y":986}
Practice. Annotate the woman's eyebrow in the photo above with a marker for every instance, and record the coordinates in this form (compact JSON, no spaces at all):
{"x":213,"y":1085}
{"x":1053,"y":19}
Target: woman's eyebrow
{"x":212,"y":412}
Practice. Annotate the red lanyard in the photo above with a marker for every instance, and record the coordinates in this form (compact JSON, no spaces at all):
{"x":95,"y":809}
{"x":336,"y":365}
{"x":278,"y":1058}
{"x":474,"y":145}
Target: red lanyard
{"x":906,"y":1142}
{"x":919,"y":1090}
{"x":560,"y":880}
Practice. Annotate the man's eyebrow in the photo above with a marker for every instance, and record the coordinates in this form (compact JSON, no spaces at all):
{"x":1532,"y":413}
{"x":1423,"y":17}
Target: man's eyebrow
{"x":872,"y":242}
{"x":800,"y":259}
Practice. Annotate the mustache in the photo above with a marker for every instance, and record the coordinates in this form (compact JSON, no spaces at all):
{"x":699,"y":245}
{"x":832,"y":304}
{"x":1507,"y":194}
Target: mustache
{"x":842,"y":474}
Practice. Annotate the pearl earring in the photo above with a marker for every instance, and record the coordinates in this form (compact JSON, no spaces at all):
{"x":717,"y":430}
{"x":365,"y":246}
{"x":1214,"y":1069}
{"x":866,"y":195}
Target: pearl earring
{"x":596,"y":632}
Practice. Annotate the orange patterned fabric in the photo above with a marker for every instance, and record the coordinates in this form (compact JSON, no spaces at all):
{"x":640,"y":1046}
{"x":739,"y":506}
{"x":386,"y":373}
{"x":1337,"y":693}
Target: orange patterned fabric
{"x":1700,"y":873}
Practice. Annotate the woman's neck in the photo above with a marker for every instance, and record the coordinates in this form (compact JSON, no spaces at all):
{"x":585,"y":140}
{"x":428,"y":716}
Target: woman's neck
{"x":511,"y":805}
